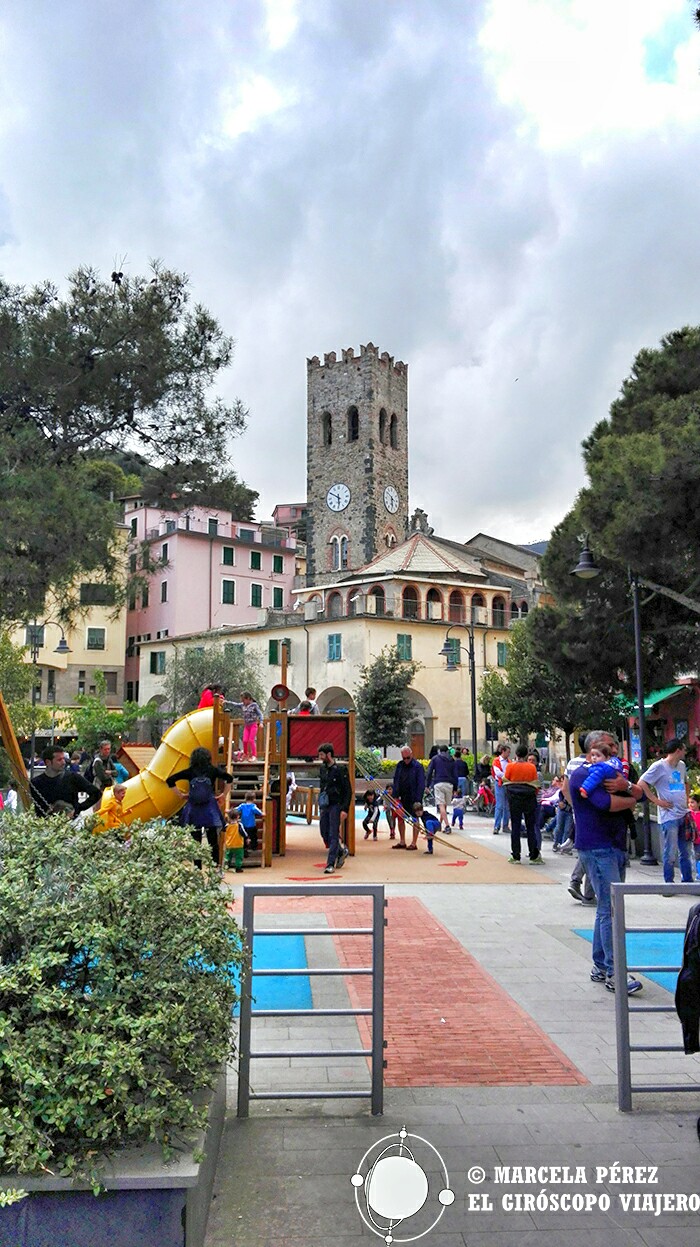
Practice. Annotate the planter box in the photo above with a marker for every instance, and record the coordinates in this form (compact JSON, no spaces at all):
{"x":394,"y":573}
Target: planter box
{"x":146,"y":1202}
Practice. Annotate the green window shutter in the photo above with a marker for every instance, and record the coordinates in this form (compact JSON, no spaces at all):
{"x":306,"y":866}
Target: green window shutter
{"x":453,"y":659}
{"x":278,"y":564}
{"x":273,"y":653}
{"x":334,"y":647}
{"x":404,"y":646}
{"x":277,"y":599}
{"x":228,"y":592}
{"x":255,"y":562}
{"x":228,"y":556}
{"x":256,"y":595}
{"x":234,"y":649}
{"x":502,"y":653}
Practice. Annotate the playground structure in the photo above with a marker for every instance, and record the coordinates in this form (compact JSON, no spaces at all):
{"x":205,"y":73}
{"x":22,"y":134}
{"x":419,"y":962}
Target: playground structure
{"x":287,"y":739}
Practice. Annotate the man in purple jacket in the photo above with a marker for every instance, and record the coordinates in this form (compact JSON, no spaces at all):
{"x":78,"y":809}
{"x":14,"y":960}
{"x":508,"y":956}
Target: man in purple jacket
{"x":408,"y":789}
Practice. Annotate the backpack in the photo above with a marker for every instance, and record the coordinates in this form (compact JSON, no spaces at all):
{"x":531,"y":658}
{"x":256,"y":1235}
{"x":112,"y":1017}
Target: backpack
{"x":201,"y":790}
{"x":89,"y":774}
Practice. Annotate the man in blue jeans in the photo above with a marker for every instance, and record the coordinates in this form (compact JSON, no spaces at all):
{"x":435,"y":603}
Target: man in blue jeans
{"x":601,"y":842}
{"x":334,"y":797}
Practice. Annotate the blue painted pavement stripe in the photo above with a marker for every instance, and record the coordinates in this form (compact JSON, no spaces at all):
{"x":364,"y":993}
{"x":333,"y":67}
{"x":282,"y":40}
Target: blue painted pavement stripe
{"x":657,"y":948}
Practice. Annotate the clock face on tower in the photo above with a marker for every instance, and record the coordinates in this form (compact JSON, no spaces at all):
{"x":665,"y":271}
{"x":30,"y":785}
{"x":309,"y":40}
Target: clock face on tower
{"x":338,"y":497}
{"x":391,"y":500}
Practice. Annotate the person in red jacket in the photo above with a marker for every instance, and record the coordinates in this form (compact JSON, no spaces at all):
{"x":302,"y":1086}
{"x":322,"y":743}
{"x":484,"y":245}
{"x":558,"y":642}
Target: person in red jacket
{"x":209,"y":693}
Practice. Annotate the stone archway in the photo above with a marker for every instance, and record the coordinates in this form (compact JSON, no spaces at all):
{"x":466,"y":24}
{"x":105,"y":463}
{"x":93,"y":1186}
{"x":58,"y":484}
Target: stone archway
{"x":420,"y":725}
{"x":334,"y":699}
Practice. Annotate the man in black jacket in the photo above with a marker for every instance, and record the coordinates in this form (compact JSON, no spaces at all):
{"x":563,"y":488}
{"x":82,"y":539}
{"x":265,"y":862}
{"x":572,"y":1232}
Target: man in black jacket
{"x":334,"y":800}
{"x":58,"y":784}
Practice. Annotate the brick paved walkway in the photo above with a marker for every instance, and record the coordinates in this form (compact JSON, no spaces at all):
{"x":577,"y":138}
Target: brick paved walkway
{"x":447,"y":1022}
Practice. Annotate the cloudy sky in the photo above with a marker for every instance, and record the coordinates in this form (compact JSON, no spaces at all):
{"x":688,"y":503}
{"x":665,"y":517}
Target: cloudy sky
{"x":502,"y":193}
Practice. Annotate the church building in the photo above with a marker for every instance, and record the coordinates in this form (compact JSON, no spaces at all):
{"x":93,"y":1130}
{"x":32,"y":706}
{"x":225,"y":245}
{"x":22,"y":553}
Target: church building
{"x":376,"y":574}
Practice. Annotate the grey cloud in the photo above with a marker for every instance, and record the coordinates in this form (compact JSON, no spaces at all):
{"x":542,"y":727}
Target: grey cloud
{"x":392,"y":199}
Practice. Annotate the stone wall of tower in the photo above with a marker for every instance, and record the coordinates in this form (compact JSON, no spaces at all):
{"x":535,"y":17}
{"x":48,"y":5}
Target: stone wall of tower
{"x":373,"y":384}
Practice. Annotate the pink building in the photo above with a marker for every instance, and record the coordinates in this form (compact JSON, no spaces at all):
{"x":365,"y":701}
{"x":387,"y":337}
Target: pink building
{"x":211,"y":571}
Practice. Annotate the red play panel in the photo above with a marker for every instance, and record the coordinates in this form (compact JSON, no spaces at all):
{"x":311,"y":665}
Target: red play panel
{"x":307,"y":732}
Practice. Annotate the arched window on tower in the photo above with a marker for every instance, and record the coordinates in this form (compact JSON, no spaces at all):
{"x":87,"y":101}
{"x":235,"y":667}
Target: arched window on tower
{"x":335,"y":606}
{"x":523,"y":610}
{"x":434,"y":604}
{"x":343,"y":552}
{"x":376,"y":595}
{"x":327,"y":428}
{"x":394,"y":432}
{"x":499,"y":613}
{"x":353,"y":424}
{"x":382,"y":427}
{"x":456,"y":607}
{"x":478,"y":609}
{"x":335,"y":554}
{"x":514,"y":612}
{"x":410,"y":603}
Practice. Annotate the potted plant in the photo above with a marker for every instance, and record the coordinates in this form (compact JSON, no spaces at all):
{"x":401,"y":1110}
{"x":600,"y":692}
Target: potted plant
{"x":117,"y":959}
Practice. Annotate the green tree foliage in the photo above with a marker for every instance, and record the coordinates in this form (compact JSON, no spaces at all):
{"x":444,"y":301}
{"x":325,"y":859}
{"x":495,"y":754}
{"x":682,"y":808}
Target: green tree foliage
{"x":232,"y":666}
{"x":94,"y":721}
{"x":109,"y":366}
{"x":382,"y":701}
{"x":116,"y":991}
{"x":544,"y":688}
{"x":640,"y":509}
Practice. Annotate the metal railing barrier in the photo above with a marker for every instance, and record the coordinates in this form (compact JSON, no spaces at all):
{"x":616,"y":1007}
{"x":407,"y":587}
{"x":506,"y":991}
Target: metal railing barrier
{"x":376,"y":1012}
{"x":623,"y":1007}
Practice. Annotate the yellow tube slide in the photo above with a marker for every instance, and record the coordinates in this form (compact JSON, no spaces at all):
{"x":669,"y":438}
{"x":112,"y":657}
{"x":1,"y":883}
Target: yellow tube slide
{"x":147,"y":794}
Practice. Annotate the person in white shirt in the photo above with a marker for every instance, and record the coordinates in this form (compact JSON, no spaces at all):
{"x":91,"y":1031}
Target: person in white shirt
{"x":668,"y":776}
{"x":498,"y":770}
{"x":10,"y":806}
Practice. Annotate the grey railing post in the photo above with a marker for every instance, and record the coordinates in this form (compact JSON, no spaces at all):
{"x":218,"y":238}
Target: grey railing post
{"x":244,"y":1029}
{"x":378,"y":905}
{"x":622,"y":1014}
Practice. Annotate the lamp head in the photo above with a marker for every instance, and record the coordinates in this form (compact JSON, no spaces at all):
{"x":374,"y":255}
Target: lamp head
{"x":63,"y":647}
{"x":585,"y":569}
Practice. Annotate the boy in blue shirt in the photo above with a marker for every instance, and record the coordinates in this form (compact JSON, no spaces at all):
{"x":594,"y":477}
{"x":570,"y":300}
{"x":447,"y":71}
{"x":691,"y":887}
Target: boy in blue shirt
{"x":247,"y":813}
{"x":430,"y":823}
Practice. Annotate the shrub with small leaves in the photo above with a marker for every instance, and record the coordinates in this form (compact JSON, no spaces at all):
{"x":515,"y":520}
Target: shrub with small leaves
{"x":116,"y":990}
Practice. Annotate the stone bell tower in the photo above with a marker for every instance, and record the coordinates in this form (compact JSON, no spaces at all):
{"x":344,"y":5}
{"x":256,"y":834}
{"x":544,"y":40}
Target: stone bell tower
{"x":357,"y":459}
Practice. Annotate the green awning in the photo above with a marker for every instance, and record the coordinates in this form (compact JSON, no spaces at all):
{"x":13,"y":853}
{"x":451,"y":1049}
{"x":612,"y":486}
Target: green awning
{"x":662,"y":694}
{"x":628,"y":705}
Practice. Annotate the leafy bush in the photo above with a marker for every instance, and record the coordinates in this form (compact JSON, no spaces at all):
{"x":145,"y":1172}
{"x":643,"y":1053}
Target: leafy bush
{"x":367,"y":761}
{"x":115,"y":991}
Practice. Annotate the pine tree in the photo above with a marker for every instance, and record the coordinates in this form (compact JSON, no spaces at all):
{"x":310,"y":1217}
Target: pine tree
{"x":382,"y":701}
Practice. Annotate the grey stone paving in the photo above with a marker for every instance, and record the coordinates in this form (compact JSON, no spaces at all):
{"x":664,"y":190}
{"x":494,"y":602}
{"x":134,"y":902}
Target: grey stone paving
{"x":284,"y":1174}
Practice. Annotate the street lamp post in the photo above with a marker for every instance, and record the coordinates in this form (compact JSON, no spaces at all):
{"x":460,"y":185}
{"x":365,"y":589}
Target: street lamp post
{"x":586,"y":569}
{"x":446,"y":652}
{"x":61,"y":648}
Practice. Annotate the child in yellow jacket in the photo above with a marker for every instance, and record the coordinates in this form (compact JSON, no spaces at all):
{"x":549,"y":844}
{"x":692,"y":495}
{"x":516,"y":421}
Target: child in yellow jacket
{"x":234,"y":843}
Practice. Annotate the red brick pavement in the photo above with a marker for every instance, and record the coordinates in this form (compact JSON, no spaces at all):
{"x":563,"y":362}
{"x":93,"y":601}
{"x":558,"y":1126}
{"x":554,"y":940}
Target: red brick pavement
{"x":446,"y":1021}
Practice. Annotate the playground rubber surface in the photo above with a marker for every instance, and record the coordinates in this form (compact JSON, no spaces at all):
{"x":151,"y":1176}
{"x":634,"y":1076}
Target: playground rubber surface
{"x":459,"y":860}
